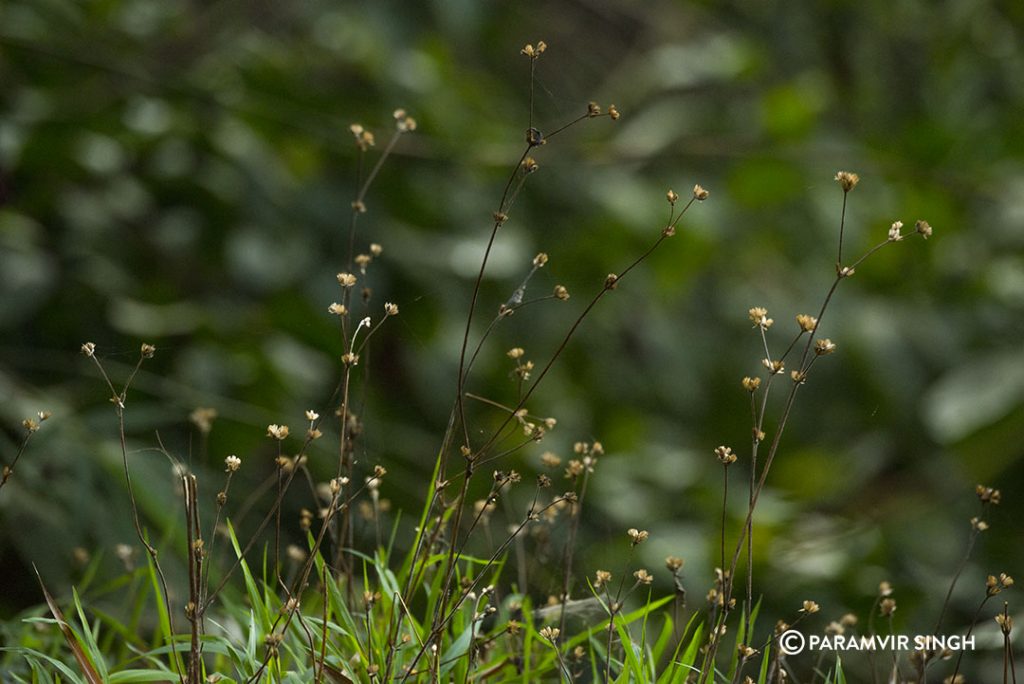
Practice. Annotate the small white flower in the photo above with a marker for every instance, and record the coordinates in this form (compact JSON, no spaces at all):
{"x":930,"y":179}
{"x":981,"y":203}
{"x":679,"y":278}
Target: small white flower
{"x":894,"y":231}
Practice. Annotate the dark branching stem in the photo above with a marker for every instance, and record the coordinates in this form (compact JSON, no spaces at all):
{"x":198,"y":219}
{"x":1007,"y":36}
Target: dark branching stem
{"x":119,"y":400}
{"x":807,"y":359}
{"x":8,"y":470}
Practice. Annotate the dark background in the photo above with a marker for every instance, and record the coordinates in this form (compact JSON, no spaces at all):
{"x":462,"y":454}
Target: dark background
{"x":181,"y":173}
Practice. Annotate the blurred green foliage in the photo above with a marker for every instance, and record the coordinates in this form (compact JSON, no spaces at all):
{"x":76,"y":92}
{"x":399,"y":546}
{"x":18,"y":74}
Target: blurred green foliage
{"x":181,"y":173}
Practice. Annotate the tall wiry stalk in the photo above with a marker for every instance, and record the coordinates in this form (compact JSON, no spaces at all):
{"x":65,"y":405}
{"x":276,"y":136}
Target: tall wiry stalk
{"x":119,"y":400}
{"x":813,"y":348}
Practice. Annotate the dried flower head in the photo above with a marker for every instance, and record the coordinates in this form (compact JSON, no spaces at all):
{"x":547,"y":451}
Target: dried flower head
{"x":674,"y":563}
{"x":637,"y":536}
{"x":611,"y":282}
{"x":549,"y":633}
{"x":550,"y":460}
{"x":89,"y":349}
{"x":613,"y":113}
{"x":643,"y":577}
{"x":995,"y":585}
{"x":988,"y":495}
{"x":278,"y":432}
{"x":593,"y":109}
{"x":699,"y":193}
{"x":346,"y":279}
{"x":350,"y":359}
{"x":759,"y":317}
{"x":824,"y":346}
{"x":147,"y":350}
{"x":887,"y":607}
{"x":375,"y":249}
{"x":810,"y":607}
{"x":923,"y":228}
{"x":884,"y":588}
{"x":807,"y":323}
{"x":561,"y":292}
{"x":540,"y":260}
{"x":534,"y":52}
{"x":774,"y":367}
{"x":337,"y":309}
{"x":1005,"y":623}
{"x":390,"y":309}
{"x":233,"y":463}
{"x":364,"y":138}
{"x":601,"y":578}
{"x":751,"y":384}
{"x":725,"y":455}
{"x":894,"y":231}
{"x":847,"y":181}
{"x":203,"y":417}
{"x":403,"y":122}
{"x":672,"y":197}
{"x":529,"y":165}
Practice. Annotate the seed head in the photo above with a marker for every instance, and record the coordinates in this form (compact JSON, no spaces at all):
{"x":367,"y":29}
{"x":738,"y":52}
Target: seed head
{"x":601,"y":578}
{"x":403,"y":122}
{"x":847,"y":181}
{"x":540,"y":260}
{"x":593,"y":109}
{"x":147,"y":350}
{"x":988,"y":494}
{"x":751,"y":384}
{"x":390,"y":309}
{"x":278,"y":432}
{"x":611,"y":282}
{"x":561,"y":293}
{"x":637,"y":536}
{"x":529,"y":165}
{"x":699,"y":193}
{"x":89,"y":349}
{"x":364,"y":138}
{"x":759,"y":317}
{"x":923,"y":228}
{"x":1005,"y":623}
{"x":549,"y":633}
{"x":725,"y":455}
{"x":672,"y":197}
{"x":643,"y":577}
{"x":823,"y":347}
{"x":674,"y":563}
{"x":887,"y":607}
{"x":810,"y":607}
{"x":894,"y":231}
{"x":233,"y":463}
{"x":806,"y":323}
{"x":613,"y":113}
{"x":337,"y":309}
{"x":534,"y":52}
{"x":346,"y":279}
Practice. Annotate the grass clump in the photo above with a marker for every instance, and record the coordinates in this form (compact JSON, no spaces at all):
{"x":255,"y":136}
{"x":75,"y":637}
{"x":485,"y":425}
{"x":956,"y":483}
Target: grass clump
{"x":448,"y":594}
